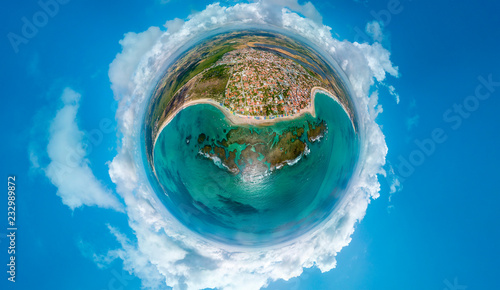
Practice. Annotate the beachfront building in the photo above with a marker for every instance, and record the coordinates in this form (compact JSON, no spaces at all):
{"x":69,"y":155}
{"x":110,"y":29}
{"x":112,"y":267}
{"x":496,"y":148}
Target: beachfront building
{"x":263,"y":83}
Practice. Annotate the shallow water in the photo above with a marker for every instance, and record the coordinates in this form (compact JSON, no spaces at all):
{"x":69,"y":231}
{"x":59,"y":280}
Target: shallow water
{"x":253,"y":209}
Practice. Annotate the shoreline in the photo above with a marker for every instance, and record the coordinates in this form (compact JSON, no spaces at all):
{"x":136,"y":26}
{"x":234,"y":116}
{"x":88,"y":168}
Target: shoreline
{"x":238,"y":119}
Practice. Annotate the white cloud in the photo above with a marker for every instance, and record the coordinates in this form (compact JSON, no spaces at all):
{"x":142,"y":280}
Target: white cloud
{"x":307,"y":9}
{"x":374,"y":29}
{"x":69,"y":168}
{"x":174,"y":25}
{"x":395,"y":186}
{"x":163,"y":251}
{"x":392,"y":91}
{"x":394,"y":182}
{"x":378,"y":60}
{"x":135,"y":45}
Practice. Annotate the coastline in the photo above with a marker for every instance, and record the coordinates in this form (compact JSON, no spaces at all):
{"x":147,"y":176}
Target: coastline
{"x":238,"y":119}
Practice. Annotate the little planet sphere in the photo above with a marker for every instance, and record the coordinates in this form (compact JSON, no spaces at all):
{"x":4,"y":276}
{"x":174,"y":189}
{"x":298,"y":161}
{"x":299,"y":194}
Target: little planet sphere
{"x":251,"y":138}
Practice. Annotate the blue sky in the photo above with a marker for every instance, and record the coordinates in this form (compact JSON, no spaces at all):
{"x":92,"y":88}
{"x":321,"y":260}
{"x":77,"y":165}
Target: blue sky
{"x":443,"y":225}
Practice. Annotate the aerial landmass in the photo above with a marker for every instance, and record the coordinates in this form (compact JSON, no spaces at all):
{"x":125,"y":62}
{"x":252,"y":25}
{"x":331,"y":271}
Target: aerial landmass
{"x":254,"y":78}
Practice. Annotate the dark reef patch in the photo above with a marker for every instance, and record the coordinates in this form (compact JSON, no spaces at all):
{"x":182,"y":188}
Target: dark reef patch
{"x":258,"y":150}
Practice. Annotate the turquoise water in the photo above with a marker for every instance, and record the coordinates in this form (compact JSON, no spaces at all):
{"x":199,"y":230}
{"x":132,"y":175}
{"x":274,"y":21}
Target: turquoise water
{"x":253,"y":209}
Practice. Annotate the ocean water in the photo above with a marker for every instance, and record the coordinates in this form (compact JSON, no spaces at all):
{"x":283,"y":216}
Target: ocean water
{"x":253,"y":209}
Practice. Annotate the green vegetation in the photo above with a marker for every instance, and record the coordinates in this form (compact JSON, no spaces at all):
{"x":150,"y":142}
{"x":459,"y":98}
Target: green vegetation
{"x":217,"y":72}
{"x":311,"y":72}
{"x":201,"y":66}
{"x":176,"y":81}
{"x":211,"y":84}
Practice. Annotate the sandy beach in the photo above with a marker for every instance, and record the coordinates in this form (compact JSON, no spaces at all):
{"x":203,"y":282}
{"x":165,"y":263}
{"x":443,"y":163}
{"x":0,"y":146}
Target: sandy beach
{"x":238,"y":119}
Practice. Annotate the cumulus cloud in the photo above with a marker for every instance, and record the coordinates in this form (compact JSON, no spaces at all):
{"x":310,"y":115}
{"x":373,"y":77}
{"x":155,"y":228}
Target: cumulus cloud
{"x":174,"y":25}
{"x":374,"y":29}
{"x":307,"y":9}
{"x":163,"y":252}
{"x":135,"y":45}
{"x":69,"y":168}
